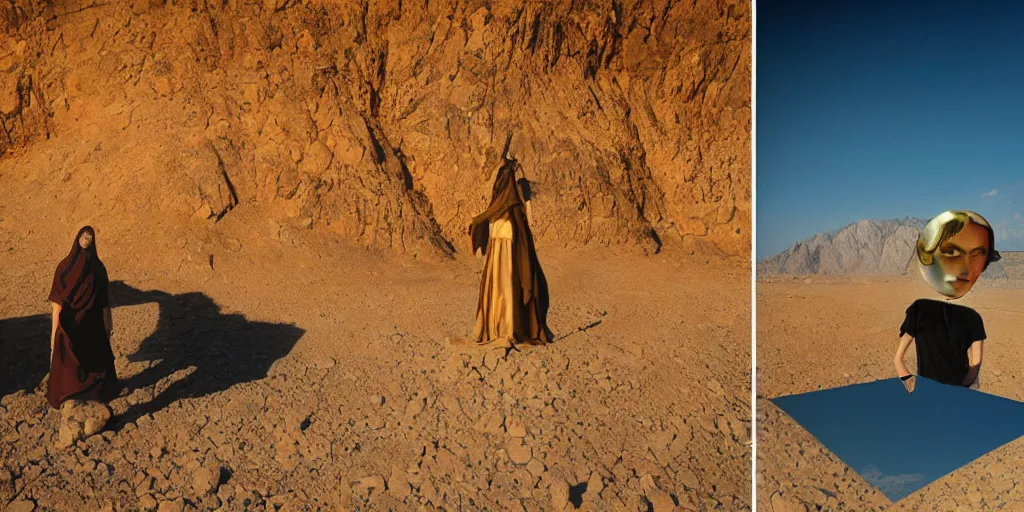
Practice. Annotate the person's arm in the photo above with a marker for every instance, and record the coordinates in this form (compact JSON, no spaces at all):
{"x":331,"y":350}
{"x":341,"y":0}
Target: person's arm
{"x":529,"y":217}
{"x":974,"y":359}
{"x":901,"y":350}
{"x":53,"y":327}
{"x":108,"y":322}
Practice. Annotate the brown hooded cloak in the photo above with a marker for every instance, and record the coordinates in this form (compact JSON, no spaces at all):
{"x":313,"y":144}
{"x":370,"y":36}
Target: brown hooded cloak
{"x":529,"y":289}
{"x":82,"y":364}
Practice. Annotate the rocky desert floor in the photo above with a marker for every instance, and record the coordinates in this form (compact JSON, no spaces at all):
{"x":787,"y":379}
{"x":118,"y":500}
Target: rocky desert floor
{"x":280,"y":191}
{"x":822,"y":333}
{"x":270,"y":367}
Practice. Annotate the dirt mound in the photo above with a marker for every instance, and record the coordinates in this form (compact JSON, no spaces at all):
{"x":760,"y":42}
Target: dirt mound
{"x":383,"y":121}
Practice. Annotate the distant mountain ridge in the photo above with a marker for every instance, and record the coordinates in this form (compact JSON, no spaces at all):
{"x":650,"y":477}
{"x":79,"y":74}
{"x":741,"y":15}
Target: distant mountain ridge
{"x":863,"y":247}
{"x":870,"y":247}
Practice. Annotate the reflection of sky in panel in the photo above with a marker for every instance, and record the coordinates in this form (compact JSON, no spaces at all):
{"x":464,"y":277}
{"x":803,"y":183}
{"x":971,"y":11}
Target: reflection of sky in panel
{"x":902,"y":441}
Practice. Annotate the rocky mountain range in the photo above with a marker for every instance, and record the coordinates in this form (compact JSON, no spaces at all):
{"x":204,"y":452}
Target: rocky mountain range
{"x":869,"y":247}
{"x":863,"y":247}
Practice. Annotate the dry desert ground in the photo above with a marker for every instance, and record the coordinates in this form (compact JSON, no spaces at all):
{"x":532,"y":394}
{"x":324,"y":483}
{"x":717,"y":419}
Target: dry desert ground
{"x":820,"y":333}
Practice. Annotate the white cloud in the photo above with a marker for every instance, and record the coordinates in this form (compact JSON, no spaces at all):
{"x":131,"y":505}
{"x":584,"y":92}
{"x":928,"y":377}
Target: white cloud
{"x":990,"y":193}
{"x":893,"y":485}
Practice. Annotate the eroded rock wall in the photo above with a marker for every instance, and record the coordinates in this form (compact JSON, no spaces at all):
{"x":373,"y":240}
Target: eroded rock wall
{"x":384,"y":121}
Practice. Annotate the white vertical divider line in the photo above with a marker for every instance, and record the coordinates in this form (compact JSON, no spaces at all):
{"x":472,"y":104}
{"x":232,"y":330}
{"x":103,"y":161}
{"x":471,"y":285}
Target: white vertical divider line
{"x":753,"y":260}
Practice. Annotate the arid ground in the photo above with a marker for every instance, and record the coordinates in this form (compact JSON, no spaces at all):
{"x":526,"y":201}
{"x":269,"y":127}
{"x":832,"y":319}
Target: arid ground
{"x":819,"y":333}
{"x":274,"y":366}
{"x":281,"y":191}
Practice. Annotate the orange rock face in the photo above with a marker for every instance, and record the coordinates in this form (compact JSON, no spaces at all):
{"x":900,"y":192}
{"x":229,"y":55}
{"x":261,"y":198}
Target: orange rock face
{"x":384,"y":121}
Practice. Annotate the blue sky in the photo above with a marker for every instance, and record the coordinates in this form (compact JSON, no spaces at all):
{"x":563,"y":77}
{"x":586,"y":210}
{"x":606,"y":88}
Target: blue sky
{"x":899,"y":441}
{"x":871,"y":109}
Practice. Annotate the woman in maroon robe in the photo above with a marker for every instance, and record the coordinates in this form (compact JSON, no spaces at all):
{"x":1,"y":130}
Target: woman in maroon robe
{"x":81,"y":359}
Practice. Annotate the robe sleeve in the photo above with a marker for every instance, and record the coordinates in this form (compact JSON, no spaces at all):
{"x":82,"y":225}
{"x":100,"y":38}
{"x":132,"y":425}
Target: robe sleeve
{"x":521,"y":253}
{"x":102,"y":289}
{"x":55,"y":288}
{"x":480,"y":235}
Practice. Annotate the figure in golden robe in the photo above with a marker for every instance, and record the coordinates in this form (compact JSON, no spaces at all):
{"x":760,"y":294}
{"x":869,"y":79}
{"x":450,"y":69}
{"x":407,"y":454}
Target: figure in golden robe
{"x":513,"y":303}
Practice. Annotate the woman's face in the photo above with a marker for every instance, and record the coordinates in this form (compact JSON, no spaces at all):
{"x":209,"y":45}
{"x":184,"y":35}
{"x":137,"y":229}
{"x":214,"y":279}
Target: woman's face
{"x":962,"y":258}
{"x":85,"y":240}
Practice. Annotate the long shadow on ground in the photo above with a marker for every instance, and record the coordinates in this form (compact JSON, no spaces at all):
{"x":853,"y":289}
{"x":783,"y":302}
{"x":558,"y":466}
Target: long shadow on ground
{"x":220,"y":350}
{"x":224,"y":349}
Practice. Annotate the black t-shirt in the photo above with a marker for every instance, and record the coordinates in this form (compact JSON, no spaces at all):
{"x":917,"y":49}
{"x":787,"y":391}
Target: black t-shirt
{"x":942,"y":334}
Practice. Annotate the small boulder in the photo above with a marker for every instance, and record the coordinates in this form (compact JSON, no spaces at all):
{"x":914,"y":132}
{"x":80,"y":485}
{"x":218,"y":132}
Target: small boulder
{"x":21,"y":506}
{"x":205,"y":480}
{"x":81,"y":419}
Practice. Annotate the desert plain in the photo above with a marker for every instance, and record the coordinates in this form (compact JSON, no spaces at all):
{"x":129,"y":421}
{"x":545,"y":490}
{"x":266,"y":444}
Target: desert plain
{"x":821,"y":332}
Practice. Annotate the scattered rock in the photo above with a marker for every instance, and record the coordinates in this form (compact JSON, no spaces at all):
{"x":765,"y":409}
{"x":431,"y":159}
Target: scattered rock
{"x":595,"y":484}
{"x":6,"y":482}
{"x":535,"y":467}
{"x":21,"y":506}
{"x":493,"y":357}
{"x":415,"y":406}
{"x":177,"y":505}
{"x":162,"y":85}
{"x":205,"y":480}
{"x":10,"y":99}
{"x":516,"y":429}
{"x":398,"y":484}
{"x":147,"y":503}
{"x":783,"y":504}
{"x":490,"y":422}
{"x":519,"y":452}
{"x":81,"y":419}
{"x":559,"y":494}
{"x":369,"y":483}
{"x":660,"y":499}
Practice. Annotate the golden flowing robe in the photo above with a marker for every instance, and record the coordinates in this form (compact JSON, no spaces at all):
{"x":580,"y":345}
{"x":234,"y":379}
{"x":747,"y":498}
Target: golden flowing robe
{"x":513,"y":301}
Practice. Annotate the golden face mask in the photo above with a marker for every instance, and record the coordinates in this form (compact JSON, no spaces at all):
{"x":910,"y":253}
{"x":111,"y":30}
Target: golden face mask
{"x":953,"y":250}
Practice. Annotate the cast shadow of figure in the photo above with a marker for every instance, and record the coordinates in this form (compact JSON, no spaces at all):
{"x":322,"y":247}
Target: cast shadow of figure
{"x":24,"y":353}
{"x":221,"y":349}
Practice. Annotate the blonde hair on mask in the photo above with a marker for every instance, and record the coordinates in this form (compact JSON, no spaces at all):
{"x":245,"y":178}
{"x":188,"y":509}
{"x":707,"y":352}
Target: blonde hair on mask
{"x":945,"y":226}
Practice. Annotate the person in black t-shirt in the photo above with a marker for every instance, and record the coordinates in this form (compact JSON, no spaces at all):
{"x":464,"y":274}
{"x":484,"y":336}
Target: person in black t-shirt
{"x":953,"y":250}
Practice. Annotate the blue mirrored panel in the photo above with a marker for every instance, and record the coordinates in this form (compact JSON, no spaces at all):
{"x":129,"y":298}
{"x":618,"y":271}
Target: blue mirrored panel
{"x":900,"y":441}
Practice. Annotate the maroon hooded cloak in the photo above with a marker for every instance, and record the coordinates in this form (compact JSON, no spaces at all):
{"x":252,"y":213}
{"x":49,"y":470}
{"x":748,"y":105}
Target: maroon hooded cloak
{"x":82,"y":364}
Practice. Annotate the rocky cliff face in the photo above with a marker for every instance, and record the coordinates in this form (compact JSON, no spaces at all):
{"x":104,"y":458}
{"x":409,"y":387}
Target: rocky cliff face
{"x":384,"y":121}
{"x":864,"y":247}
